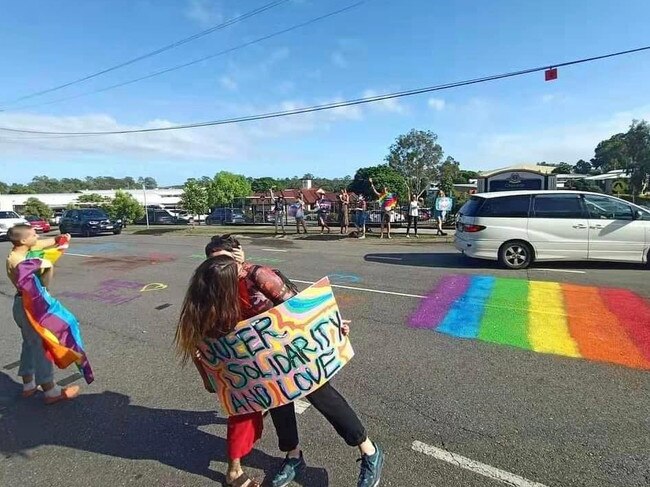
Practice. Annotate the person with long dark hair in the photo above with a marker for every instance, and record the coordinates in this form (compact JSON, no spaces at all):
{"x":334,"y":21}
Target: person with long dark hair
{"x":258,"y":289}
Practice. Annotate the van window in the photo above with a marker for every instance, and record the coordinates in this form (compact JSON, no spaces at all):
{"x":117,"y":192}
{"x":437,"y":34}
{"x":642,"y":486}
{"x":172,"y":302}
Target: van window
{"x":471,"y":207}
{"x":506,"y":207}
{"x":604,"y":208}
{"x":558,"y":206}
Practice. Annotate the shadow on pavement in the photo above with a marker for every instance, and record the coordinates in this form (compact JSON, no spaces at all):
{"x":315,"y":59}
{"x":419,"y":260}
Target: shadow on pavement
{"x":457,"y":260}
{"x":108,"y":424}
{"x":447,"y":260}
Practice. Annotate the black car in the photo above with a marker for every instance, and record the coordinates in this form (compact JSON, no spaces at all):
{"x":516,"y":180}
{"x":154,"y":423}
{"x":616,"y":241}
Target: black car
{"x":225,"y":216}
{"x":88,"y":222}
{"x":158,"y":216}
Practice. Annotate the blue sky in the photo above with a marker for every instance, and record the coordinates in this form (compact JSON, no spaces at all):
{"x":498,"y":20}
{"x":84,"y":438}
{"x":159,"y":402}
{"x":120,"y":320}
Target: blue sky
{"x":380,"y":46}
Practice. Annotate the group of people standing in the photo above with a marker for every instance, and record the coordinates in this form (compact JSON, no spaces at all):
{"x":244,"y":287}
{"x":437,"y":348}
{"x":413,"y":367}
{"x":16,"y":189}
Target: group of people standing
{"x":387,"y":200}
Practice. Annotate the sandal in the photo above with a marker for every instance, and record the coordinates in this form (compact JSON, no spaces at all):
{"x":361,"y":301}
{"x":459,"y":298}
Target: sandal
{"x":243,"y":481}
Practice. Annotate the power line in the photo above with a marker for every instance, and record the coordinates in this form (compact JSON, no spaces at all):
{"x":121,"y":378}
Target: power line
{"x":197,"y":61}
{"x":155,"y":52}
{"x":331,"y":106}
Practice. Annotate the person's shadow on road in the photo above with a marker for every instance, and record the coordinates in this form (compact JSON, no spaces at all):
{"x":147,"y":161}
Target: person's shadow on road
{"x":108,"y":424}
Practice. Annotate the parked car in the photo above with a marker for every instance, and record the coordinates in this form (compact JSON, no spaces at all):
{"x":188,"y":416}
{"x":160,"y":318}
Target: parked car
{"x":39,"y":224}
{"x":56,"y":218}
{"x":159,"y":216}
{"x":9,"y":219}
{"x":520,"y":227}
{"x":225,"y":216}
{"x":88,"y":222}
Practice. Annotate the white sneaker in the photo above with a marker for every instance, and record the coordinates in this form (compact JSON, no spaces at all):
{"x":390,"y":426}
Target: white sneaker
{"x":362,"y":236}
{"x":408,"y":236}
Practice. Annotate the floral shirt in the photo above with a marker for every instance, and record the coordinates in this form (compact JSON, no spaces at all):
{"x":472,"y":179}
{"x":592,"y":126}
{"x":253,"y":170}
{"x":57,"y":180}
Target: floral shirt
{"x":260,"y":289}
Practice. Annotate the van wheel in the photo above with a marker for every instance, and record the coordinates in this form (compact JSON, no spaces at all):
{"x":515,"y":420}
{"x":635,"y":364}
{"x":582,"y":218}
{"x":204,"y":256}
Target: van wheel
{"x":515,"y":255}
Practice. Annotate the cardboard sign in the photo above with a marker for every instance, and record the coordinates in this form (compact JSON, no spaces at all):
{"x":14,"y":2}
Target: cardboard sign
{"x":444,"y":204}
{"x":281,"y":355}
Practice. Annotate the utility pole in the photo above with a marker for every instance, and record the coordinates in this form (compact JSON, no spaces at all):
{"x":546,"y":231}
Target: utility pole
{"x":146,"y":210}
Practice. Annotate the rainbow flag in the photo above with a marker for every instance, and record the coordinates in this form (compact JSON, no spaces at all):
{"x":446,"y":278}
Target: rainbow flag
{"x":602,"y":324}
{"x":57,"y":327}
{"x":387,"y":201}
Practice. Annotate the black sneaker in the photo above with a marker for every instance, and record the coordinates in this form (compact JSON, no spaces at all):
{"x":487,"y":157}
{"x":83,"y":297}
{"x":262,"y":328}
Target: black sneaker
{"x":290,"y":469}
{"x":371,"y":466}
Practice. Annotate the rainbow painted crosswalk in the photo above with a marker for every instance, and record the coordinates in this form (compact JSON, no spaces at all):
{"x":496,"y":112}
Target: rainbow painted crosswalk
{"x":603,"y":324}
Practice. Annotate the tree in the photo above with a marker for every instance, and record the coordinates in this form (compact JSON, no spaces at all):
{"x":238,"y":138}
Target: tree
{"x":582,"y":167}
{"x":416,"y":156}
{"x":610,"y":154}
{"x":582,"y":185}
{"x":449,"y":173}
{"x":225,"y":187}
{"x":35,"y":207}
{"x":382,"y":176}
{"x":263,"y":185}
{"x":4,"y":188}
{"x":465,"y":175}
{"x":149,"y":182}
{"x":124,"y":207}
{"x":195,"y":198}
{"x":20,"y":189}
{"x":563,"y":168}
{"x":637,"y":141}
{"x":92,"y":198}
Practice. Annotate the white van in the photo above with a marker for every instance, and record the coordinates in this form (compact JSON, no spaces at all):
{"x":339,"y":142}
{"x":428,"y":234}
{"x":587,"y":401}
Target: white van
{"x":519,"y":227}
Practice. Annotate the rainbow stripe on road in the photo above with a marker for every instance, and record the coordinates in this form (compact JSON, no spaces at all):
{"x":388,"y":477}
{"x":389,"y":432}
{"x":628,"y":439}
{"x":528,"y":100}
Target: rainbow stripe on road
{"x":602,"y":324}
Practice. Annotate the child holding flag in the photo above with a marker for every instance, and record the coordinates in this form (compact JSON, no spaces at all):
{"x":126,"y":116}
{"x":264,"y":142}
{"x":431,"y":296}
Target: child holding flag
{"x":35,"y":368}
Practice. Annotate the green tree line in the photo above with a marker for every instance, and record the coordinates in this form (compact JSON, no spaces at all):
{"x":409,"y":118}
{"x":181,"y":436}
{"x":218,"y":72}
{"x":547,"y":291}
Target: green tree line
{"x":45,"y":184}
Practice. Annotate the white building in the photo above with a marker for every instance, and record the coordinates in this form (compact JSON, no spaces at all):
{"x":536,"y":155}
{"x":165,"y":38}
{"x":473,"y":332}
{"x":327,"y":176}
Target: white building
{"x":164,"y":198}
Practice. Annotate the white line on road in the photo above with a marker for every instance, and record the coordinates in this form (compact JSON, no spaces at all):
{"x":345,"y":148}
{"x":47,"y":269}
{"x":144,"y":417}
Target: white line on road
{"x":385,"y":258}
{"x":569,"y":271}
{"x":274,"y":250}
{"x":78,"y":255}
{"x":363,"y":289}
{"x":474,"y":466}
{"x":301,"y":406}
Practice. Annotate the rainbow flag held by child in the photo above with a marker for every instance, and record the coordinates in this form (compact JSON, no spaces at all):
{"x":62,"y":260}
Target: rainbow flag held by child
{"x":387,"y":201}
{"x":57,"y":327}
{"x":601,"y":324}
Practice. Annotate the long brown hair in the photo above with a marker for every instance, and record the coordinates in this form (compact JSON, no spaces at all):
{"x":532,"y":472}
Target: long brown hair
{"x":211,"y":306}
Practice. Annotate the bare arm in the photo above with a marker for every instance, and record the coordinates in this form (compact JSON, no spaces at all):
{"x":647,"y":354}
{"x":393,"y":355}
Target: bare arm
{"x":372,"y":185}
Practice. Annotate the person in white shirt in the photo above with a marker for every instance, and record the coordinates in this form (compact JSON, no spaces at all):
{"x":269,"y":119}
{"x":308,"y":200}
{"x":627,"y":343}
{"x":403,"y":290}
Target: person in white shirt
{"x":413,"y":214}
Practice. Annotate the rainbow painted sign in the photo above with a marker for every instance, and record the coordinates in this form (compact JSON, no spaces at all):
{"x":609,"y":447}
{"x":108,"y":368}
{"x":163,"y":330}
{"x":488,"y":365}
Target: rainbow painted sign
{"x":281,"y":355}
{"x":602,"y":324}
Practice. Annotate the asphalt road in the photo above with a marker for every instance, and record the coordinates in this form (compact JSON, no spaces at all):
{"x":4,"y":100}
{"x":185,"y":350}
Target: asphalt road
{"x":549,"y":419}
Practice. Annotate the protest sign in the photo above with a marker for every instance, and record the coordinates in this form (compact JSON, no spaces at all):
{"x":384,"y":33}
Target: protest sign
{"x":444,"y":204}
{"x":279,"y":356}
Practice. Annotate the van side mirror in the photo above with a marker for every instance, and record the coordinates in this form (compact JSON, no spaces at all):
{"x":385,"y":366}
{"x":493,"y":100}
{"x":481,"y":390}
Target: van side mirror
{"x":638,"y":215}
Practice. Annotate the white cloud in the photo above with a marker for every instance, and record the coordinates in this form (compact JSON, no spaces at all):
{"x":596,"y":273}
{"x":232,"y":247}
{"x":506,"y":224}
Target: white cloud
{"x":568,"y":142}
{"x":548,"y":98}
{"x":204,"y":12}
{"x":228,"y":83}
{"x":391,"y":105}
{"x":216,"y":143}
{"x":437,"y":104}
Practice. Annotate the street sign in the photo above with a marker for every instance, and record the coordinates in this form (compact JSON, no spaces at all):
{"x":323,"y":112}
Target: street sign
{"x":619,"y":186}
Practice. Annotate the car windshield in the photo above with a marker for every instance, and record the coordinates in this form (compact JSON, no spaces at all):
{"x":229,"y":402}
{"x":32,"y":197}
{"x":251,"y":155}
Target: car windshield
{"x":33,"y":218}
{"x":94,"y":214}
{"x":8,"y":214}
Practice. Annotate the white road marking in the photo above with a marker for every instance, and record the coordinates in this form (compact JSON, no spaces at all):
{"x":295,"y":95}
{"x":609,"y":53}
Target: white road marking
{"x":568,"y":271}
{"x":386,"y":258}
{"x":474,"y":466}
{"x":274,"y":250}
{"x":363,"y":289}
{"x":78,"y":255}
{"x":301,"y":406}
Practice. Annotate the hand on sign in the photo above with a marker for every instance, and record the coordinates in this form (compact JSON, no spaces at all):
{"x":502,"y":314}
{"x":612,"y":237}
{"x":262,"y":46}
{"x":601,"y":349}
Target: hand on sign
{"x":345,"y":327}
